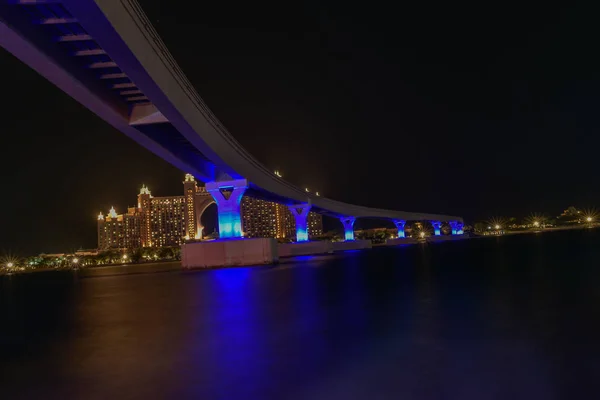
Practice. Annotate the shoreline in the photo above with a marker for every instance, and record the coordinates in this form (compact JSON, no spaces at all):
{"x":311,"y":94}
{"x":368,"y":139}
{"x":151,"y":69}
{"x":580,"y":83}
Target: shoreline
{"x":543,"y":230}
{"x":170,"y":266}
{"x":109,"y":270}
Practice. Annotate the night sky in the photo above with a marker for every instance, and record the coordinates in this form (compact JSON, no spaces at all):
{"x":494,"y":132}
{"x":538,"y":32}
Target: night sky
{"x":475,"y":111}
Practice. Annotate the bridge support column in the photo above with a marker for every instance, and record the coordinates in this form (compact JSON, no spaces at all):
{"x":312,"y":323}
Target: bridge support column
{"x":400,"y":226}
{"x":228,"y":196}
{"x":437,"y":225}
{"x":457,"y":227}
{"x":348,"y":223}
{"x":300,"y":213}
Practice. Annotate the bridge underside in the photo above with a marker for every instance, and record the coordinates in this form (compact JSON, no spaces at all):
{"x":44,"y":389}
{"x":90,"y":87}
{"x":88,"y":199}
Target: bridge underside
{"x":47,"y":37}
{"x":106,"y":55}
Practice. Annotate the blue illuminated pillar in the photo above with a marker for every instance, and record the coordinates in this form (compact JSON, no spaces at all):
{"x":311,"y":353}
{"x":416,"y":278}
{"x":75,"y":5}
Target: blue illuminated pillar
{"x":300,"y":213}
{"x":453,"y":225}
{"x":228,"y":196}
{"x":348,"y":223}
{"x":457,"y":227}
{"x":400,"y":225}
{"x":437,"y":225}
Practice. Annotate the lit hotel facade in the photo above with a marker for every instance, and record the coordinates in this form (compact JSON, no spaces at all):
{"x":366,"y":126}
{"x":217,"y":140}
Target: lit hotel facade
{"x":261,"y":218}
{"x":170,"y":221}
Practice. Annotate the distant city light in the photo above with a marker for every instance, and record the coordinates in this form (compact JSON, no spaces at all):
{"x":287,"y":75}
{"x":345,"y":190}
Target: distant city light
{"x":537,"y":220}
{"x":75,"y":260}
{"x":10,"y":265}
{"x":124,"y":256}
{"x":496,"y":223}
{"x":422,"y":234}
{"x":590,"y":215}
{"x":278,"y":173}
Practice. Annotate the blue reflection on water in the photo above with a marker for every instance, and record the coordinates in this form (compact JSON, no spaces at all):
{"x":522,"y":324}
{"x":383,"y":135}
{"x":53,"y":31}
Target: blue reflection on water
{"x":507,"y":318}
{"x":304,"y":258}
{"x":231,"y":278}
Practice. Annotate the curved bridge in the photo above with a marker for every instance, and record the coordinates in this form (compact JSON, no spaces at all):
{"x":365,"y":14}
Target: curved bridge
{"x":106,"y":55}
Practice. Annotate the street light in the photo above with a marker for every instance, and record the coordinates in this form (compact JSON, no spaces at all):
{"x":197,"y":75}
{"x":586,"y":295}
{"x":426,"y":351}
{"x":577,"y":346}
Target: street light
{"x":589,"y":219}
{"x":124,"y":257}
{"x":75,"y":260}
{"x":497,"y":227}
{"x":422,"y":234}
{"x":10,"y":265}
{"x":536,"y":223}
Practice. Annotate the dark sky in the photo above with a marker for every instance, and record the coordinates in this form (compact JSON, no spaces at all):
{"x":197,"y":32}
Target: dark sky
{"x":475,"y":111}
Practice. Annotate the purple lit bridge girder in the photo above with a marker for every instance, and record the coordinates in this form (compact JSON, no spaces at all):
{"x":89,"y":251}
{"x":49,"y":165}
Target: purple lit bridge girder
{"x":108,"y":57}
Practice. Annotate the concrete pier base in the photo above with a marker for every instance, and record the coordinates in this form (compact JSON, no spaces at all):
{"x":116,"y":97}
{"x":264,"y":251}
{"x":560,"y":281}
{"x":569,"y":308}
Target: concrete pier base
{"x":352,"y":245}
{"x":304,"y":248}
{"x":229,"y":252}
{"x":399,"y":241}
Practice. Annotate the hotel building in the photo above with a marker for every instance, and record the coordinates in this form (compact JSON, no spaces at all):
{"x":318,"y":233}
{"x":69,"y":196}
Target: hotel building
{"x":170,"y":221}
{"x":119,"y":231}
{"x":261,"y":218}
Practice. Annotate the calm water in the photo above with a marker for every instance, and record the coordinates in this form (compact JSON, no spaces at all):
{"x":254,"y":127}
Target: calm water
{"x":498,"y":318}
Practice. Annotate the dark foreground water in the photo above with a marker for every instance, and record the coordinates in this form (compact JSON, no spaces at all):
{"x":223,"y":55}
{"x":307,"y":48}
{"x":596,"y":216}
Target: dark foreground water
{"x":498,"y":318}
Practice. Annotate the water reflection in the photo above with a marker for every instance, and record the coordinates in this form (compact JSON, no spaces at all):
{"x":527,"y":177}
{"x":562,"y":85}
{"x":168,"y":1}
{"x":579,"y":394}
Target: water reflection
{"x":228,"y":338}
{"x":510,"y":317}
